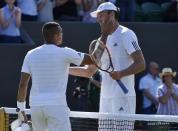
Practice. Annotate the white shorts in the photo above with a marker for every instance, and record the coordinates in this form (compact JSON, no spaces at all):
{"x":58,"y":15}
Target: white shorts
{"x":50,"y":118}
{"x":118,"y":105}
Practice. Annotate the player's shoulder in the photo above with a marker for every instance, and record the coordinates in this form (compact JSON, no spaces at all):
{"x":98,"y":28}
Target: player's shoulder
{"x":34,"y":50}
{"x":126,"y":30}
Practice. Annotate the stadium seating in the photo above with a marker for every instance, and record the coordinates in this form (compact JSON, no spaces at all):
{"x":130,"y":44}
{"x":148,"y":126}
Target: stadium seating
{"x":165,"y":6}
{"x":152,"y":11}
{"x":139,"y":15}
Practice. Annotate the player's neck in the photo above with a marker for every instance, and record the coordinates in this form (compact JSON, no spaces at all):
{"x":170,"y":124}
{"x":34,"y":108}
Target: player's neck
{"x":114,"y":27}
{"x":50,"y":43}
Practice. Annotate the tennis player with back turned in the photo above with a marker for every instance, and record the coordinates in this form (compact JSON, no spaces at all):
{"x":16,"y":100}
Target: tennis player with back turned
{"x":48,"y":66}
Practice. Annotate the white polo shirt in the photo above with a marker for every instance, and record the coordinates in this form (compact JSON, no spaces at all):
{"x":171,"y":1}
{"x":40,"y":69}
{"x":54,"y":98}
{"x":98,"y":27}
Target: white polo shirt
{"x":48,"y":66}
{"x":121,"y":44}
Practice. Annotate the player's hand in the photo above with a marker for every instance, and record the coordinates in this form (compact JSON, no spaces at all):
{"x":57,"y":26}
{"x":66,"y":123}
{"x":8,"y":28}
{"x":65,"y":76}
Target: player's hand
{"x":116,"y":75}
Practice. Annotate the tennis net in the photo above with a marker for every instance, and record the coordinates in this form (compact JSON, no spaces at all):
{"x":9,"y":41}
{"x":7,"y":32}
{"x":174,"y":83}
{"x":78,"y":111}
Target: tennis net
{"x":92,"y":121}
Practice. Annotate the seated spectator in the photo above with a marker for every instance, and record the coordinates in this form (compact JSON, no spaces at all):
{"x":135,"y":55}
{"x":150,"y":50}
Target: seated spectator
{"x":168,"y":93}
{"x":45,"y":10}
{"x":65,"y":10}
{"x":10,"y":21}
{"x":29,"y":9}
{"x":148,"y":85}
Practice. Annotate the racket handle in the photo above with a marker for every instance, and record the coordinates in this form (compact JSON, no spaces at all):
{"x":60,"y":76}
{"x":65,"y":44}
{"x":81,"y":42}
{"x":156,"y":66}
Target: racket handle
{"x":123,"y":87}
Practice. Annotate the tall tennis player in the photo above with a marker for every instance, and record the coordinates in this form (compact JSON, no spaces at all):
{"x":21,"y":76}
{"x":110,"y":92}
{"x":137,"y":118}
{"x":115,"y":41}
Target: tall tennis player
{"x":127,"y":60}
{"x":48,"y":67}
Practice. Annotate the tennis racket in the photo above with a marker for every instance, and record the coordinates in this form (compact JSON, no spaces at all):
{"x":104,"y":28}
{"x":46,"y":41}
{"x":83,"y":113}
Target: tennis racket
{"x":97,"y":49}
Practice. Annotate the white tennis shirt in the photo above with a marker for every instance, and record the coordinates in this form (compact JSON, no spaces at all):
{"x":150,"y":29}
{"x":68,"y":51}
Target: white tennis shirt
{"x":48,"y":66}
{"x":121,"y":44}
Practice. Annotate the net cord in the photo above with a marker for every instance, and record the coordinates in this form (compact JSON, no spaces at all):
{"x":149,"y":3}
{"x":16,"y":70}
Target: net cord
{"x":96,"y":115}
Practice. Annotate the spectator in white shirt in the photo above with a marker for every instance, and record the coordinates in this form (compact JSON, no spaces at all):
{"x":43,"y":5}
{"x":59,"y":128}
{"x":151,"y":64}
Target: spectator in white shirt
{"x":148,"y":85}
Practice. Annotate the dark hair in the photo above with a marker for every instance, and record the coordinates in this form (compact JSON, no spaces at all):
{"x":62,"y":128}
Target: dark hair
{"x":49,"y":29}
{"x":116,"y":13}
{"x":163,"y":79}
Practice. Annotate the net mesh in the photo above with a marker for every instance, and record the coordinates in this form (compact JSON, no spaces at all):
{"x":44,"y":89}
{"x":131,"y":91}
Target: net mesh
{"x":91,"y":121}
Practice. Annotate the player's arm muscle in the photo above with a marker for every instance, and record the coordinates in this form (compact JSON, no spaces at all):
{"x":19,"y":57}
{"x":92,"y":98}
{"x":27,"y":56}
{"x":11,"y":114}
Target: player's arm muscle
{"x":86,"y":60}
{"x":137,"y":66}
{"x":85,"y":71}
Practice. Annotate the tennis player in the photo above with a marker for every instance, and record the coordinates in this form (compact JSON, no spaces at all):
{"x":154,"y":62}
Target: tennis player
{"x":48,"y":66}
{"x":127,"y":59}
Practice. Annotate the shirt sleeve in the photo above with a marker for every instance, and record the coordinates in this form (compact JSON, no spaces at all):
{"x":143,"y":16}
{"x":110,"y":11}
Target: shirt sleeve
{"x":73,"y":56}
{"x":26,"y":65}
{"x":130,"y":42}
{"x":143,"y":84}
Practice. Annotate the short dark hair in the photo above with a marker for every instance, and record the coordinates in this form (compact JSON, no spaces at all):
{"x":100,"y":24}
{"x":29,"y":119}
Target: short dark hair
{"x":163,"y":79}
{"x":116,"y":13}
{"x":49,"y":29}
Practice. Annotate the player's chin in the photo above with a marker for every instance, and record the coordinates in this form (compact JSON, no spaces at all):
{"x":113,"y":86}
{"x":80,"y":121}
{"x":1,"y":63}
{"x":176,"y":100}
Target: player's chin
{"x":58,"y":43}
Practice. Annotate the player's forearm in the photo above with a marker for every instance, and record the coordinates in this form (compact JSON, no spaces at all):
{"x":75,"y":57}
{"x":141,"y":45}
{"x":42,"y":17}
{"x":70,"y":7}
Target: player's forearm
{"x":21,"y":97}
{"x":95,"y":82}
{"x":22,"y":91}
{"x":133,"y":69}
{"x":80,"y":71}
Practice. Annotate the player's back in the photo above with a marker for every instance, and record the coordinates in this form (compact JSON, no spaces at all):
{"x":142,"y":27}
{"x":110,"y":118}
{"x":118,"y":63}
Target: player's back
{"x":49,"y":70}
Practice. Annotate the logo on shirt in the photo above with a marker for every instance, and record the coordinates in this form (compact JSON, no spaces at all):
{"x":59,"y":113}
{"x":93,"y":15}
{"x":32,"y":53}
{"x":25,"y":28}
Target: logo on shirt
{"x":135,"y":45}
{"x":115,"y":44}
{"x":121,"y":109}
{"x":79,"y":54}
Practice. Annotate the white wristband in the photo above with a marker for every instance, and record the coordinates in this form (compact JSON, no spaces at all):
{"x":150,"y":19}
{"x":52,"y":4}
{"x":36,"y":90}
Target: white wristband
{"x":21,"y":105}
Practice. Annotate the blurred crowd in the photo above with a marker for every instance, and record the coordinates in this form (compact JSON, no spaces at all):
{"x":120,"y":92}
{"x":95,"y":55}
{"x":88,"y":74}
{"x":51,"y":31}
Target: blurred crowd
{"x":13,"y":12}
{"x":78,"y":10}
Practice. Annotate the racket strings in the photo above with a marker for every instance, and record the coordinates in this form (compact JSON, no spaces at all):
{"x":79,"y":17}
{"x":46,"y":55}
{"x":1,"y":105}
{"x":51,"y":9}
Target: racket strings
{"x":100,"y":55}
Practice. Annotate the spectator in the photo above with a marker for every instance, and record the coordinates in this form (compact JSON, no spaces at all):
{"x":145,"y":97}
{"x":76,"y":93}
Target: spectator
{"x":168,"y":93}
{"x":127,"y":8}
{"x":45,"y":10}
{"x":88,"y":7}
{"x":29,"y":9}
{"x":148,"y":85}
{"x":10,"y":21}
{"x":65,"y":10}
